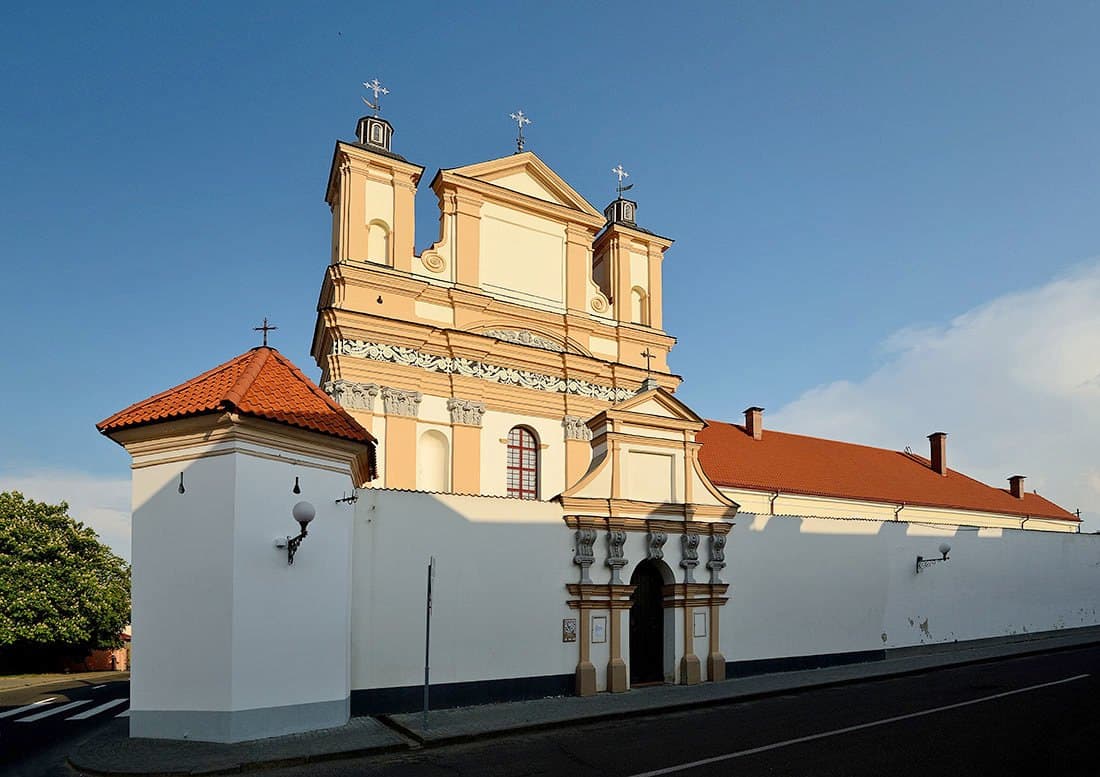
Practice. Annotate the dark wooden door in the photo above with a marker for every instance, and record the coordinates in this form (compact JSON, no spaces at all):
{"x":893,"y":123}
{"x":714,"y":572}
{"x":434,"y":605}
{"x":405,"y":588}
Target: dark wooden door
{"x":647,"y":625}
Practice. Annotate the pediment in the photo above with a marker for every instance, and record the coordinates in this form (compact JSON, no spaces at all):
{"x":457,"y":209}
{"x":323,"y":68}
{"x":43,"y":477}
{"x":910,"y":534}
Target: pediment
{"x":526,"y":174}
{"x":660,"y":403}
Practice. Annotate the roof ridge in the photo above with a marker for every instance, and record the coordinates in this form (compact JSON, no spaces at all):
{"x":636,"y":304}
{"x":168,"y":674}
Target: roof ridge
{"x":259,"y":357}
{"x":822,"y":439}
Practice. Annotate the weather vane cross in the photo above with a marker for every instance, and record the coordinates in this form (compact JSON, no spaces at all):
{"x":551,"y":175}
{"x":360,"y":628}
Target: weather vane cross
{"x":265,"y":329}
{"x":375,"y":86}
{"x":622,"y":174}
{"x":520,"y":118}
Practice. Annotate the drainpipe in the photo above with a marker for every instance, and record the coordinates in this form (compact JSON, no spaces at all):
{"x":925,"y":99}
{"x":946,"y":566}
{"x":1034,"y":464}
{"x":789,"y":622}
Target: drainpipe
{"x":1025,"y":520}
{"x":898,"y":510}
{"x":771,"y":501}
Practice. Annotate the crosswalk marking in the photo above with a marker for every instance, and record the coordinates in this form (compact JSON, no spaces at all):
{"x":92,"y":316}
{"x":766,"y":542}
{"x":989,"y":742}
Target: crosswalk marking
{"x":96,"y":710}
{"x":125,"y":714}
{"x":10,"y":713}
{"x":54,"y":711}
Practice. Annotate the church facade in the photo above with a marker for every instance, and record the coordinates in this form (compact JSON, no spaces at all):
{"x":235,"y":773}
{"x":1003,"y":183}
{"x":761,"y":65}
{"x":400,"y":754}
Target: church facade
{"x":503,"y":403}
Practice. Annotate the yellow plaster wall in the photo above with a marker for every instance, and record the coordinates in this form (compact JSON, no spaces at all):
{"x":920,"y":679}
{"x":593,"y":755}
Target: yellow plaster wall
{"x":522,"y":256}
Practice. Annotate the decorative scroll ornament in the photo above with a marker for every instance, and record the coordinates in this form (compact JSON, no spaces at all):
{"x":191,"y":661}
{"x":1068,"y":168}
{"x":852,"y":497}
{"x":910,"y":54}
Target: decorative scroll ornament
{"x":583,"y":554}
{"x":400,"y":402}
{"x":433,"y":261}
{"x":354,"y":396}
{"x":717,"y":557}
{"x":523,"y":337}
{"x":466,"y":411}
{"x":616,"y":539}
{"x":599,"y":304}
{"x":657,"y":540}
{"x":576,"y":428}
{"x":410,"y":357}
{"x":689,"y":556}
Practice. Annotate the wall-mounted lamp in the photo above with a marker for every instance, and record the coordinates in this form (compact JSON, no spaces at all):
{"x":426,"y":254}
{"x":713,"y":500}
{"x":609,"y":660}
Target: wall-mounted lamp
{"x":181,"y":489}
{"x":303,"y":513}
{"x":297,"y":488}
{"x":923,"y":562}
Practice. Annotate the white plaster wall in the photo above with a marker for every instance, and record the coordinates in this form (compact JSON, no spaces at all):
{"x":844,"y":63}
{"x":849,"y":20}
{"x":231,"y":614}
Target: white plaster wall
{"x":500,"y":597}
{"x":182,"y":546}
{"x":806,"y":586}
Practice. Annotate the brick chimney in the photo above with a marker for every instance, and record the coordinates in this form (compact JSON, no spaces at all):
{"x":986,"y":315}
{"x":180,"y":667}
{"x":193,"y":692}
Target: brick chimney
{"x":938,"y":453}
{"x":1016,"y":486}
{"x":754,"y":422}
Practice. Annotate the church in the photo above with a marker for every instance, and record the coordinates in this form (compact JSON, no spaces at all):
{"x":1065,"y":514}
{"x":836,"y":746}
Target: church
{"x":498,"y":414}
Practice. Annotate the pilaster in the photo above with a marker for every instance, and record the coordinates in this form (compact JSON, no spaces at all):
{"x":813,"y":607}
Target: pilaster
{"x":468,"y":238}
{"x":402,"y":408}
{"x":466,"y":418}
{"x":404,"y":218}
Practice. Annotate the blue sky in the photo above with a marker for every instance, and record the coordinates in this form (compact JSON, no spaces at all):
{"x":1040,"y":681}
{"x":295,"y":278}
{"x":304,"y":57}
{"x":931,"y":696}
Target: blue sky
{"x":834,"y":175}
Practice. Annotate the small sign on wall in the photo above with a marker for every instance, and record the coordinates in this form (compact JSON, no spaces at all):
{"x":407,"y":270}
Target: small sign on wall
{"x":569,"y":630}
{"x":699,"y":622}
{"x":599,"y":629}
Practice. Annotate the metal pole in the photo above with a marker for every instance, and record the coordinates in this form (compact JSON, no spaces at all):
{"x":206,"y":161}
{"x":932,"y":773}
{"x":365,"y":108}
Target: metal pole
{"x":428,"y":636}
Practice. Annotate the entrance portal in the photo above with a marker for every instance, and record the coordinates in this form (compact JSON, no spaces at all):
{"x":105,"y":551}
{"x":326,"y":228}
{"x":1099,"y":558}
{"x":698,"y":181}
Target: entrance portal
{"x":647,"y":625}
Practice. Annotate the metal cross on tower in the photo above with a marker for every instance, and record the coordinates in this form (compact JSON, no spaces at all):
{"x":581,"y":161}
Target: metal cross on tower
{"x":622,"y":174}
{"x":521,"y":120}
{"x":265,"y":329}
{"x":375,"y":86}
{"x":649,"y":356}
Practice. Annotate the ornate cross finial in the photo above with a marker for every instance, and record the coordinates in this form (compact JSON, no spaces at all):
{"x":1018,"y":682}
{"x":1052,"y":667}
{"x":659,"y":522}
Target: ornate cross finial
{"x":649,"y":356}
{"x":622,"y":174}
{"x":375,"y":86}
{"x":265,"y":329}
{"x":520,"y":118}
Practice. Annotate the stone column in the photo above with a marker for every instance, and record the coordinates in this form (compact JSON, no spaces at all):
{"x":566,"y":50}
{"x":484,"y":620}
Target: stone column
{"x":578,"y":448}
{"x":466,"y":445}
{"x":616,"y":666}
{"x":583,"y":556}
{"x":401,"y":409}
{"x":690,"y":666}
{"x":716,"y":662}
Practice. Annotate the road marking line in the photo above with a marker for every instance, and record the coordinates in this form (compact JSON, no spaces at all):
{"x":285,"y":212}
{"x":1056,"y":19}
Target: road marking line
{"x":125,"y":714}
{"x":99,"y":709}
{"x":9,"y":713}
{"x":47,"y":713}
{"x":97,"y":687}
{"x":849,"y":729}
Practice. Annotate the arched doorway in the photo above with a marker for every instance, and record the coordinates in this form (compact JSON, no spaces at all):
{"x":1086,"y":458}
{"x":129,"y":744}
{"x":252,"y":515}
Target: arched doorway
{"x":647,"y":624}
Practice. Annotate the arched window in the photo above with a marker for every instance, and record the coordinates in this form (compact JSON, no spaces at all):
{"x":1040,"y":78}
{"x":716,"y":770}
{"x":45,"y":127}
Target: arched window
{"x":378,"y":242}
{"x":523,"y":463}
{"x":639,"y":310}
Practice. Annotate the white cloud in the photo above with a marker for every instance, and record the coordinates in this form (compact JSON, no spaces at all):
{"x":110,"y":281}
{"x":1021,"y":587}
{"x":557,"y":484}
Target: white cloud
{"x":101,"y":503}
{"x":1014,"y":382}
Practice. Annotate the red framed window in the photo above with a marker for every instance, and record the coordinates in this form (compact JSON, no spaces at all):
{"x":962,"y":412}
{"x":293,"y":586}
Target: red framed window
{"x":523,"y":464}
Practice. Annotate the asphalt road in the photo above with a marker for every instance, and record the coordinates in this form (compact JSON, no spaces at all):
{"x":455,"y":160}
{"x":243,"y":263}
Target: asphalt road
{"x":1036,"y":715}
{"x":39,"y":726}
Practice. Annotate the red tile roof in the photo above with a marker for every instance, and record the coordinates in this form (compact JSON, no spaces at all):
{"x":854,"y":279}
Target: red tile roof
{"x":796,"y":464}
{"x":261,"y":383}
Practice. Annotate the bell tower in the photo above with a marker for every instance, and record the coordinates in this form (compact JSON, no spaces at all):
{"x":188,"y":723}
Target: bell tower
{"x":371,"y":193}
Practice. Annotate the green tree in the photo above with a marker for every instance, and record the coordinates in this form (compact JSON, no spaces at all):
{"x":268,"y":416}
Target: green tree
{"x":61,"y":589}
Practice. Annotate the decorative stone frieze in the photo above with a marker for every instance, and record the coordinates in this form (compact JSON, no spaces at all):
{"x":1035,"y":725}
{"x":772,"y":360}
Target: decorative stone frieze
{"x":583,"y":553}
{"x":352,"y":395}
{"x":717,"y":557}
{"x":616,"y":539}
{"x":401,"y":402}
{"x":411,"y":357}
{"x":656,"y":544}
{"x":466,"y":411}
{"x":576,"y":428}
{"x":523,"y":337}
{"x":689,"y":556}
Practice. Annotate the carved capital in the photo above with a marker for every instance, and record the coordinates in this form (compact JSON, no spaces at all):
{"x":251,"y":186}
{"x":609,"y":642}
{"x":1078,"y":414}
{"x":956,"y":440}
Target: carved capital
{"x":689,"y":555}
{"x":583,"y":554}
{"x":656,"y":544}
{"x":576,"y":428}
{"x":717,"y":557}
{"x":616,"y":539}
{"x":466,"y":411}
{"x":401,"y":402}
{"x":352,"y":395}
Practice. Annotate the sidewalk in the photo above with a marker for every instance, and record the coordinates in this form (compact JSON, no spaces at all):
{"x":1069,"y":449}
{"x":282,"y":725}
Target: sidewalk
{"x":114,"y":753}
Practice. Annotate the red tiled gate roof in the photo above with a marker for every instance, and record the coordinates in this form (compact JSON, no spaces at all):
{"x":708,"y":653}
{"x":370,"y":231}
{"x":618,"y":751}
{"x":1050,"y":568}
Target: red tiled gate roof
{"x":797,"y":464}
